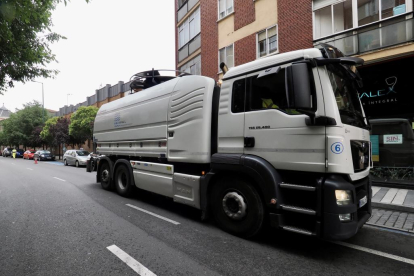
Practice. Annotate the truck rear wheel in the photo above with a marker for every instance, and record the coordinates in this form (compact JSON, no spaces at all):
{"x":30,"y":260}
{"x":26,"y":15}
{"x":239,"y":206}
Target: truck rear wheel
{"x":105,"y":175}
{"x":237,"y":207}
{"x":123,"y":181}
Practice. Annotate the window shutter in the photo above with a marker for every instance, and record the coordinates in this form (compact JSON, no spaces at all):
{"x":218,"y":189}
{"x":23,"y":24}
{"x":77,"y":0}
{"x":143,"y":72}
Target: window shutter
{"x":319,"y":4}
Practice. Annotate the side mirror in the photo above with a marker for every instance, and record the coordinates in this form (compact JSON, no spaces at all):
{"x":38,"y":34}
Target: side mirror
{"x":298,"y":87}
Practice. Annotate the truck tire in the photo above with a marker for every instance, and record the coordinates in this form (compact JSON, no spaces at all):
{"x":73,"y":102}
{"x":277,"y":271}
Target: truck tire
{"x":237,"y":207}
{"x":105,"y":175}
{"x":123,"y":181}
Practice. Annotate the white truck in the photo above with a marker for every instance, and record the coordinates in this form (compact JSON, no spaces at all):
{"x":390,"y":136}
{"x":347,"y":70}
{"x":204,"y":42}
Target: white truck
{"x":283,"y":142}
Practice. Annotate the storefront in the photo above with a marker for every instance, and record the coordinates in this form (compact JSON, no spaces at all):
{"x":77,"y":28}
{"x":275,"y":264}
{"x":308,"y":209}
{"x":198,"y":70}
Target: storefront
{"x":388,"y":100}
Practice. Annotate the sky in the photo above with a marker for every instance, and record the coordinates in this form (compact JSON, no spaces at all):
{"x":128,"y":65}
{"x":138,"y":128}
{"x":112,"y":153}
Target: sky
{"x":107,"y":41}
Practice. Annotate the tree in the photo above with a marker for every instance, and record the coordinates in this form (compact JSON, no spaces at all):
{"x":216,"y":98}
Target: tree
{"x":25,"y":36}
{"x":81,"y":123}
{"x":19,"y":127}
{"x":47,"y":134}
{"x":35,"y":138}
{"x":60,"y":132}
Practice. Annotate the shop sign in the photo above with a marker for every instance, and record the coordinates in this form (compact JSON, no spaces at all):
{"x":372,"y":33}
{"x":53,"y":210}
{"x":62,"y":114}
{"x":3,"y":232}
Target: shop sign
{"x":393,"y":139}
{"x":381,"y":96}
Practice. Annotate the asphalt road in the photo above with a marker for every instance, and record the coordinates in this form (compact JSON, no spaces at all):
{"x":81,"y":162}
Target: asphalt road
{"x":56,"y":220}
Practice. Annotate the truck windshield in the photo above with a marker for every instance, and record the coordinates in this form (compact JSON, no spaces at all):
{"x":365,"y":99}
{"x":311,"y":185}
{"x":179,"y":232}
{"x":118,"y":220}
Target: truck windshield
{"x":345,"y":89}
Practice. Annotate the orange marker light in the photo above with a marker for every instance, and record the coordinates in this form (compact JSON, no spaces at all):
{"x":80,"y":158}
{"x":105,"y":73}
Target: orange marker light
{"x":203,"y":173}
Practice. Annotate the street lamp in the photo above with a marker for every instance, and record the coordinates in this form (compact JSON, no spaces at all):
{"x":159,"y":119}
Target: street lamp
{"x":67,"y":99}
{"x":43,"y":101}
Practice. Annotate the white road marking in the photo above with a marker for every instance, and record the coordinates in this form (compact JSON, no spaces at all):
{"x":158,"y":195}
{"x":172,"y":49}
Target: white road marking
{"x":59,"y":179}
{"x":13,"y":164}
{"x":389,"y":196}
{"x":131,"y":262}
{"x":30,"y":169}
{"x":375,"y":190}
{"x":376,"y":252}
{"x":400,"y":197}
{"x":152,"y":214}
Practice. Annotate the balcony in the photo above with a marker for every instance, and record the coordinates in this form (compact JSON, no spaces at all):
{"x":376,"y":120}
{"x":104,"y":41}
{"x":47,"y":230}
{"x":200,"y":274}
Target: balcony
{"x":375,"y":36}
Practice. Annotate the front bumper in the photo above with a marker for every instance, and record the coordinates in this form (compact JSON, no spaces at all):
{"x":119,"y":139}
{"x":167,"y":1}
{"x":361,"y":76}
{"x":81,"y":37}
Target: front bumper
{"x":317,"y":213}
{"x":332,"y":227}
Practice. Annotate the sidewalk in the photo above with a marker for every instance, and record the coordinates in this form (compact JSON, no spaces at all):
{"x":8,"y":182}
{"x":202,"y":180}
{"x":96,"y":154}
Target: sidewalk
{"x":392,"y":208}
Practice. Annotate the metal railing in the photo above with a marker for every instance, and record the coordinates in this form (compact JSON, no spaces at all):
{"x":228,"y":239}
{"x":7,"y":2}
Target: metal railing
{"x":383,"y":34}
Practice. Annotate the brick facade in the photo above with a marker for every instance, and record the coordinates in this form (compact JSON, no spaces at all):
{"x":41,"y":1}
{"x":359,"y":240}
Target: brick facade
{"x":245,"y":50}
{"x":244,"y":13}
{"x":209,"y":39}
{"x":294,"y":25}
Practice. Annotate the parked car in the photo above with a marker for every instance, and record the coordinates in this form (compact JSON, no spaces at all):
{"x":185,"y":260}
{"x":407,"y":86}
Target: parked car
{"x":44,"y":155}
{"x":7,"y":152}
{"x":75,"y":157}
{"x":29,"y":154}
{"x":19,"y":153}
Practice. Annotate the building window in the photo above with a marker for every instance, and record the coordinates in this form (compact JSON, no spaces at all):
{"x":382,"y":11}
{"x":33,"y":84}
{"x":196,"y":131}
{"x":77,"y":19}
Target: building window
{"x":335,"y":18}
{"x":226,"y":55}
{"x":189,"y":29}
{"x":193,"y":66}
{"x":225,"y":8}
{"x":267,"y":41}
{"x":342,"y":19}
{"x":181,"y":3}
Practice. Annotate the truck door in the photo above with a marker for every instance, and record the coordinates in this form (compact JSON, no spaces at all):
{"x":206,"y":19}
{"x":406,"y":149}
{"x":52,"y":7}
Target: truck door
{"x":231,"y":116}
{"x":276,"y":133}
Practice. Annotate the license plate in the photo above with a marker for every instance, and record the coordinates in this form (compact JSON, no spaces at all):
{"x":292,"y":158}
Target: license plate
{"x":362,"y":201}
{"x":49,"y":158}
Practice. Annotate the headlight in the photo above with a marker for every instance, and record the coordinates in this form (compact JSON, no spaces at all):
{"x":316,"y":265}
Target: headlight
{"x":343,"y":197}
{"x":42,"y":155}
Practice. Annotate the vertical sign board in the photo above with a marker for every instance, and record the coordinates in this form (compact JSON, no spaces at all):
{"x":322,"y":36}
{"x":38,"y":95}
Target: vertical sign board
{"x":375,"y":147}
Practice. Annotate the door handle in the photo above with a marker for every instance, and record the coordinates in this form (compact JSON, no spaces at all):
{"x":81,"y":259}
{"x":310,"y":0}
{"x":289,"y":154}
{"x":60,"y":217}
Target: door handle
{"x":249,"y":142}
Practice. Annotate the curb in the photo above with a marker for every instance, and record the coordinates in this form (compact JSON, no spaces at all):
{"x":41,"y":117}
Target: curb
{"x":393,"y":207}
{"x":390,"y":227}
{"x":393,"y":185}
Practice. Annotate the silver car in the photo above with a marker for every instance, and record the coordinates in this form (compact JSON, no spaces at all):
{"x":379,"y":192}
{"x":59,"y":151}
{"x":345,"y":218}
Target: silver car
{"x":75,"y":157}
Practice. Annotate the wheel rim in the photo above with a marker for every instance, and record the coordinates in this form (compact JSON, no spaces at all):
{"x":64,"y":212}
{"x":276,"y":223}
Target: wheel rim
{"x":234,"y":205}
{"x":77,"y":164}
{"x":122,"y":180}
{"x":105,"y":175}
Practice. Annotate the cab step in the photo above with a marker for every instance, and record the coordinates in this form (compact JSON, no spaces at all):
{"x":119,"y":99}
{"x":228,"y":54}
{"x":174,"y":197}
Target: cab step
{"x":298,"y":209}
{"x":297,"y":187}
{"x":298,"y":230}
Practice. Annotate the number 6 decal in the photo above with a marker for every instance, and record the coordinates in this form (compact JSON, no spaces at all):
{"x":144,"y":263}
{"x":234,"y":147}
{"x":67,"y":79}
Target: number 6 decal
{"x":337,"y":148}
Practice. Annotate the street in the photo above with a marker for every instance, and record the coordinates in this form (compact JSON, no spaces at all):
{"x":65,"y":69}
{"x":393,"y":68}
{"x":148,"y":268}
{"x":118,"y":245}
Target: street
{"x":56,"y":220}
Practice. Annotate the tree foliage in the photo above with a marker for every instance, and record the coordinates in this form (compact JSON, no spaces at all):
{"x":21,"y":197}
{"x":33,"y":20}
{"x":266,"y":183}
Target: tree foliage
{"x":25,"y":36}
{"x":18,"y":129}
{"x":81,"y":126}
{"x":47,"y":133}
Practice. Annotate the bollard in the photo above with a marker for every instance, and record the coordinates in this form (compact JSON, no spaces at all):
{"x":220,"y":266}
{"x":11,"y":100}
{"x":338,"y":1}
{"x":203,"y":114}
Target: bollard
{"x":35,"y":160}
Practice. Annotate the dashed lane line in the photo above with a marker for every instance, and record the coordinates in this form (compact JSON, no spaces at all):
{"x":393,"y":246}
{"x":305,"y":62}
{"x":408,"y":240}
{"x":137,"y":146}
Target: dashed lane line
{"x":29,"y":169}
{"x":152,"y":214}
{"x":376,"y":252}
{"x":60,"y":179}
{"x":131,"y":262}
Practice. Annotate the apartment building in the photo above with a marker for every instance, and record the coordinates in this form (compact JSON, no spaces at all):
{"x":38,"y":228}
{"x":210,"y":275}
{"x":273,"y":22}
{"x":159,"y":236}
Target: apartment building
{"x":209,"y":32}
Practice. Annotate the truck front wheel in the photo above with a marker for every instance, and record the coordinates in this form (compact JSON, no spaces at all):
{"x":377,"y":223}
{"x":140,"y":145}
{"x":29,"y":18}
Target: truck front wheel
{"x":237,"y":207}
{"x":123,"y":181}
{"x":105,"y":175}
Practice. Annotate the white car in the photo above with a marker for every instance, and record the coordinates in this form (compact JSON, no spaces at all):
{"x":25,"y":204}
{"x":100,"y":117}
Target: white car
{"x":75,"y":157}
